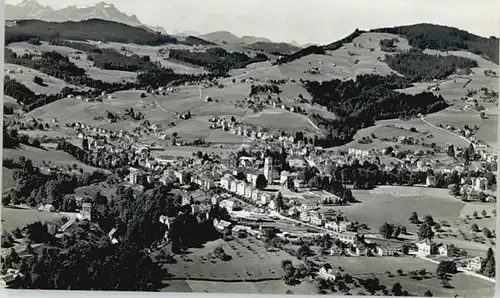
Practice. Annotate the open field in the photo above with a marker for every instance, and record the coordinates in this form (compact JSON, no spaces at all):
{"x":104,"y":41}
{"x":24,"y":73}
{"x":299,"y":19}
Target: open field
{"x":54,"y":85}
{"x":13,"y":218}
{"x":7,"y":179}
{"x":262,"y":287}
{"x":345,"y":66}
{"x":250,"y":260}
{"x":280,"y":119}
{"x":21,"y":48}
{"x":37,"y":155}
{"x":152,"y":52}
{"x":11,"y":103}
{"x":395,"y":204}
{"x":440,"y":137}
{"x":363,"y":267}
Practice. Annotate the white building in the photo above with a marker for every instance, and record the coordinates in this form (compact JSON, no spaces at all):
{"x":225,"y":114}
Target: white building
{"x":326,"y":272}
{"x":268,"y":169}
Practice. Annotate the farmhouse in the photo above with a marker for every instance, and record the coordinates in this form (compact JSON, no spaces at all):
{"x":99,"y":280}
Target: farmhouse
{"x":336,"y":250}
{"x":338,"y":226}
{"x":475,"y":264}
{"x":443,"y":249}
{"x":326,"y":272}
{"x":348,"y":237}
{"x":426,"y":247}
{"x":388,"y":249}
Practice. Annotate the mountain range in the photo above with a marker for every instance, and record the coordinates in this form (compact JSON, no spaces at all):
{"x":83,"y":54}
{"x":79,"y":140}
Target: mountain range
{"x":31,"y":9}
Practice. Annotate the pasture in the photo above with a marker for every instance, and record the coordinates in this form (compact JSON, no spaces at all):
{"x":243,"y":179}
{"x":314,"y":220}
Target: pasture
{"x":13,"y":218}
{"x":262,"y":287}
{"x":152,"y":52}
{"x":280,"y":119}
{"x":38,"y":156}
{"x":395,"y":204}
{"x":363,"y":267}
{"x":8,"y":180}
{"x":52,"y":85}
{"x":249,"y":260}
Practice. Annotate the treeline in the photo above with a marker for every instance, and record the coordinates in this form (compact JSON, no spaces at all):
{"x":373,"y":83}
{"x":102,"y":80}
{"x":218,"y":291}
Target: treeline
{"x":194,"y":41}
{"x":35,"y":188}
{"x":92,"y":29}
{"x":443,"y":38}
{"x":388,"y":45}
{"x":256,"y":89}
{"x":319,"y":50}
{"x":111,"y":59}
{"x":84,"y":259}
{"x":419,"y":66}
{"x":81,"y":46}
{"x":358,"y":104}
{"x":217,"y":60}
{"x":18,"y":91}
{"x":51,"y":63}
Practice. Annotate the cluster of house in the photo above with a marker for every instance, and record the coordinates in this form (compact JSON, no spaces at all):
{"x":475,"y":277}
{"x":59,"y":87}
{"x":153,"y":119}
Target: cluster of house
{"x":428,"y":248}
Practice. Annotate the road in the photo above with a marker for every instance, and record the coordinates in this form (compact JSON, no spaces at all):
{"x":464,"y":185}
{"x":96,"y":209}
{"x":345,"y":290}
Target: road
{"x":460,"y":269}
{"x":445,"y":130}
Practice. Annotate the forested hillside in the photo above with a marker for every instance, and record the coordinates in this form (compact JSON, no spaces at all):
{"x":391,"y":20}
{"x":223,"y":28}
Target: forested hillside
{"x":93,"y":29}
{"x":419,"y":66}
{"x":357,"y":104}
{"x":217,"y":60}
{"x":443,"y":38}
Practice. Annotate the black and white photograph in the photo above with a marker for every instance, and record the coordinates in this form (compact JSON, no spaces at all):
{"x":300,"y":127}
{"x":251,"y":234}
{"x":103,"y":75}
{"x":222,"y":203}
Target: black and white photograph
{"x":272,"y":147}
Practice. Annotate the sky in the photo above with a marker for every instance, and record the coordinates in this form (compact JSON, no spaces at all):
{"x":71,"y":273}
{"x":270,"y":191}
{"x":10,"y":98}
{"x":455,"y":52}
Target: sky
{"x":303,"y":21}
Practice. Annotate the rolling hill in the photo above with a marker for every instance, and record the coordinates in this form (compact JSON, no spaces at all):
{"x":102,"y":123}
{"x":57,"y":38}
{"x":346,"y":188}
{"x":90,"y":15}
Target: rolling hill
{"x":31,"y":9}
{"x":92,"y":29}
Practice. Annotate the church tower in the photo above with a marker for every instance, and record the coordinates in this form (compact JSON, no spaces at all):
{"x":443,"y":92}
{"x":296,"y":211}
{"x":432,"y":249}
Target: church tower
{"x":268,"y":169}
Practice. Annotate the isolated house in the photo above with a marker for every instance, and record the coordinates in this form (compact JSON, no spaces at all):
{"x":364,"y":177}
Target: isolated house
{"x":475,"y":264}
{"x":326,"y":272}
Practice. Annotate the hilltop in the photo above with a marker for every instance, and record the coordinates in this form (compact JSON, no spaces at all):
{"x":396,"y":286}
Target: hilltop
{"x":92,"y":29}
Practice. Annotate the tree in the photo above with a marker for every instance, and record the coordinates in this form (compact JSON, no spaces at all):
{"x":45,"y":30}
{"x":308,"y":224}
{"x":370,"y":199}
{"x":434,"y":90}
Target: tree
{"x":451,"y":151}
{"x":397,"y":289}
{"x":428,"y":294}
{"x":494,"y":212}
{"x":487,"y":233}
{"x":429,"y":220}
{"x":446,"y":267}
{"x":474,"y":227}
{"x":279,"y":203}
{"x":483,"y":213}
{"x":399,"y":271}
{"x":488,"y":266}
{"x":6,"y":200}
{"x":261,"y":182}
{"x":414,"y":218}
{"x":303,"y":251}
{"x":386,"y":230}
{"x":397,"y":231}
{"x":38,"y":80}
{"x":425,"y":232}
{"x":14,"y":256}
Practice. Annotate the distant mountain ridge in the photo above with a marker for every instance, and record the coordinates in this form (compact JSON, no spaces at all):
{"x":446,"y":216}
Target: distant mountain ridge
{"x":31,"y":9}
